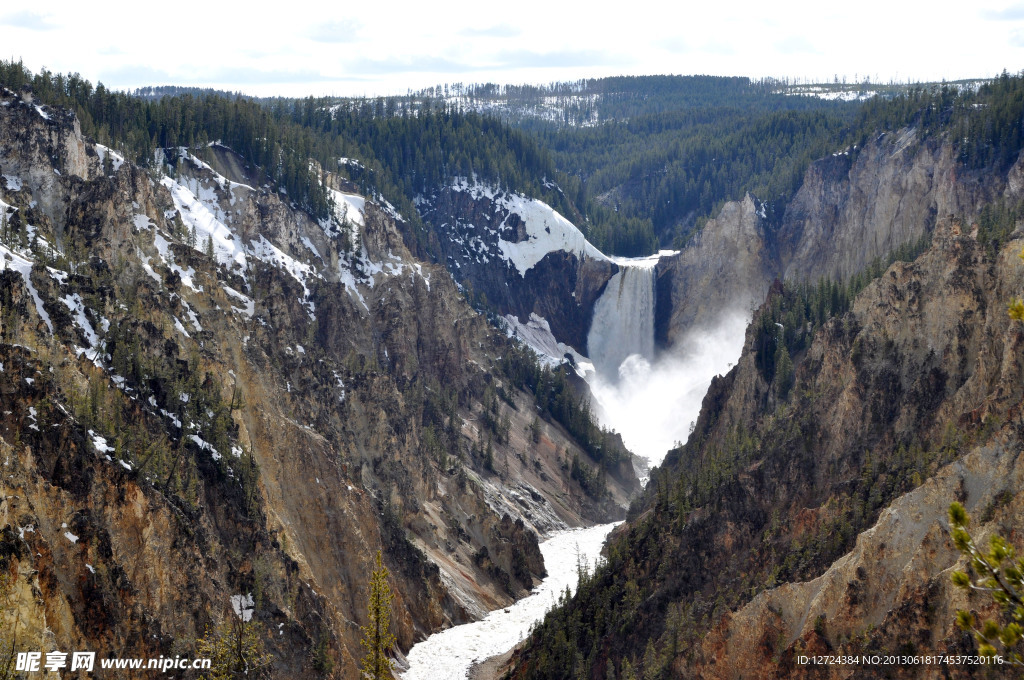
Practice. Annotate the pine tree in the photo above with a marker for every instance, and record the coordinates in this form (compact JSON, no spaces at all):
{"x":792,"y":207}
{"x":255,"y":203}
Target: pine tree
{"x":234,"y":646}
{"x":999,"y":573}
{"x":377,"y":637}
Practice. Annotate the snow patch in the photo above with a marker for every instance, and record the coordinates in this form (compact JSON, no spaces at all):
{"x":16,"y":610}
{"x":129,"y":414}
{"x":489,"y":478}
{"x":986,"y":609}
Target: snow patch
{"x":11,"y":260}
{"x":142,"y":222}
{"x":116,"y":159}
{"x":536,"y":334}
{"x":547,"y":231}
{"x":250,"y":305}
{"x":180,"y":328}
{"x":100,"y":443}
{"x":196,"y":216}
{"x":243,"y":606}
{"x":349,"y":208}
{"x":164,"y":248}
{"x":77,"y":308}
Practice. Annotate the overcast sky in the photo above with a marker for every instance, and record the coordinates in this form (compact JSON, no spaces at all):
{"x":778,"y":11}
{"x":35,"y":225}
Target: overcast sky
{"x":299,"y":47}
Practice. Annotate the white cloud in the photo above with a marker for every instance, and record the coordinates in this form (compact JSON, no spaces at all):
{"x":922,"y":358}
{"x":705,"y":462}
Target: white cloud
{"x":341,"y":31}
{"x":30,"y":20}
{"x":308,"y":47}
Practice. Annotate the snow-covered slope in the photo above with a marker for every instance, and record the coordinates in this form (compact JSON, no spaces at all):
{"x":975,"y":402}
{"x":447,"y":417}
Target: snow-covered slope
{"x":518,"y":256}
{"x":546,"y":230}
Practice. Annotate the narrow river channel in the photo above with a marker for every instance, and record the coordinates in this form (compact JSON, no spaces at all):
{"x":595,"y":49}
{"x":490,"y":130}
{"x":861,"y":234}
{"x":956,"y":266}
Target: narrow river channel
{"x":449,"y":654}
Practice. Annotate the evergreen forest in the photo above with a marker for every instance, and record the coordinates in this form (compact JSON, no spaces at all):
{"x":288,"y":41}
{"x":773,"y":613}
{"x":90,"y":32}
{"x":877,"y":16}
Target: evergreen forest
{"x":639,"y":163}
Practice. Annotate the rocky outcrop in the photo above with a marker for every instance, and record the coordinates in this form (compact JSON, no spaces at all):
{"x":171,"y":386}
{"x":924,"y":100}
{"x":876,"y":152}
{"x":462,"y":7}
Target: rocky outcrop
{"x":852,"y":208}
{"x":725,"y":268}
{"x":891,"y":595}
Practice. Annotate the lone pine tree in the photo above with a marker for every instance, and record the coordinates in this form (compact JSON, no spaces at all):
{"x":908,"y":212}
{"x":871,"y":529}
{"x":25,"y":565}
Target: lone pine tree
{"x":1000,"y":574}
{"x":377,"y":637}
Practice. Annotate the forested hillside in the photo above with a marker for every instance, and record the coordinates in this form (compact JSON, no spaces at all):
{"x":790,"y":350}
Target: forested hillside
{"x":671,"y":150}
{"x":659,"y":156}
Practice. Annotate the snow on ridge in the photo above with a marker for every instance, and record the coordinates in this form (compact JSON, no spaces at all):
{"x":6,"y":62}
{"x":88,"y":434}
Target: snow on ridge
{"x":76,"y":306}
{"x":347,"y":277}
{"x":264,"y":250}
{"x":250,"y":305}
{"x":200,"y":211}
{"x":180,"y":328}
{"x":350,"y":207}
{"x":164,"y":248}
{"x":547,"y":230}
{"x":197,"y":216}
{"x":222,"y":181}
{"x":228,"y":248}
{"x":12,"y":260}
{"x":116,"y":159}
{"x":536,"y":334}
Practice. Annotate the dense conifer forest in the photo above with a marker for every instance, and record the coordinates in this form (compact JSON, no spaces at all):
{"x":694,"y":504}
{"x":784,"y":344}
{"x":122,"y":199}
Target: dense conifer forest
{"x":638,"y":162}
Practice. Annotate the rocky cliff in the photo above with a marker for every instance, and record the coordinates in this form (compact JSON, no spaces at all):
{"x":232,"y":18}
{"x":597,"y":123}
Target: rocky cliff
{"x":922,"y":378}
{"x":806,"y":513}
{"x":208,"y":393}
{"x":852,"y":207}
{"x":726,"y":267}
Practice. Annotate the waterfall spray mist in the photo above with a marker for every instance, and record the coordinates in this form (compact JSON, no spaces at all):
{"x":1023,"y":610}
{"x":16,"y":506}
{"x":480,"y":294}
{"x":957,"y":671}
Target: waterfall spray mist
{"x":651,"y":400}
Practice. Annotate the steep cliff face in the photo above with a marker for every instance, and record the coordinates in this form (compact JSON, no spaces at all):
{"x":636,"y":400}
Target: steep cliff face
{"x":926,"y":369}
{"x":851,"y":208}
{"x":207,"y":393}
{"x":891,"y":595}
{"x":922,"y":379}
{"x":892,"y":192}
{"x":726,"y":267}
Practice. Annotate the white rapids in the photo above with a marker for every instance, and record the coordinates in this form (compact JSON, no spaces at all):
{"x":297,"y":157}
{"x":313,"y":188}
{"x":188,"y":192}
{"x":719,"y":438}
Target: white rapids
{"x":449,"y":654}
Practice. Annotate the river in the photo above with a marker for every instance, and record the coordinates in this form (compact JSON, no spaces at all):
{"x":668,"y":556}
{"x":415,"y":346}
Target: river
{"x":449,"y":654}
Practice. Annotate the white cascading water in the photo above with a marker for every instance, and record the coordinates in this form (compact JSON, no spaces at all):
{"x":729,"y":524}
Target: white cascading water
{"x":652,"y":401}
{"x":623,"y":322}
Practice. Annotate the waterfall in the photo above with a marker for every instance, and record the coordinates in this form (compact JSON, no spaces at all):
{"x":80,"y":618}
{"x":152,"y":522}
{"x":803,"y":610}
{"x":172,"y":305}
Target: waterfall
{"x":651,"y":401}
{"x":623,"y":322}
